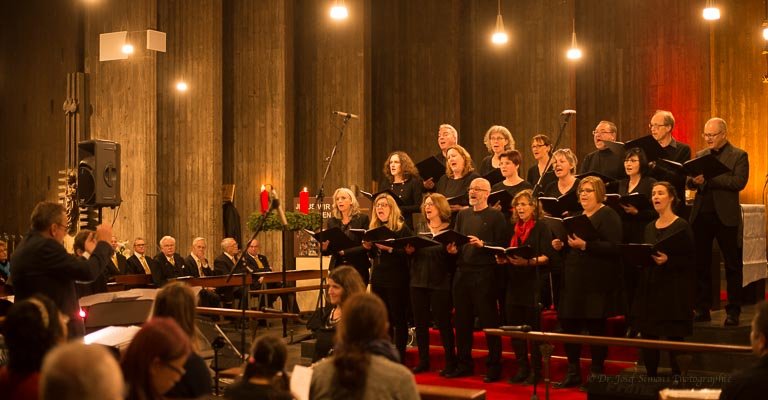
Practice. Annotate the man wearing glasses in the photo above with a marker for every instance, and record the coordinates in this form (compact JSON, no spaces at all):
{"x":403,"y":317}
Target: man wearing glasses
{"x":474,"y":290}
{"x":139,"y":263}
{"x":608,"y":159}
{"x":41,"y":264}
{"x":661,"y":126}
{"x":716,"y":214}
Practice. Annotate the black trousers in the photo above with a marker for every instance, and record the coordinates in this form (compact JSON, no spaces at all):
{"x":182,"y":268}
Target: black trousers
{"x":707,"y":228}
{"x":429,"y":304}
{"x":473,"y":294}
{"x":595,"y":327}
{"x":651,"y":357}
{"x":396,"y":300}
{"x":525,"y":315}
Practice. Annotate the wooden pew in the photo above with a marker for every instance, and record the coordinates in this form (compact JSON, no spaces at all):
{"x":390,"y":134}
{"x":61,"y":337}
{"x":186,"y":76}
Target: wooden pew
{"x":125,"y":282}
{"x":250,"y":314}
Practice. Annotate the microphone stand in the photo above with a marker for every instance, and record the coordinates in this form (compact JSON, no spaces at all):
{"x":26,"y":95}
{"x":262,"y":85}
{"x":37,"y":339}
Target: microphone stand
{"x":244,"y":283}
{"x":319,"y":204}
{"x":563,"y":124}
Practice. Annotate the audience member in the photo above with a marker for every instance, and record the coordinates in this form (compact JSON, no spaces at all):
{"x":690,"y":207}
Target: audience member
{"x":169,"y":263}
{"x":41,"y":264}
{"x":77,"y":371}
{"x":752,"y":383}
{"x":365,"y":364}
{"x":154,"y":361}
{"x":139,"y":262}
{"x":264,"y":377}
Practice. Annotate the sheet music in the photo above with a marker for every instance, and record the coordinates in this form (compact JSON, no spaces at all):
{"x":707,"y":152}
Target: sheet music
{"x":301,"y":377}
{"x":112,"y":336}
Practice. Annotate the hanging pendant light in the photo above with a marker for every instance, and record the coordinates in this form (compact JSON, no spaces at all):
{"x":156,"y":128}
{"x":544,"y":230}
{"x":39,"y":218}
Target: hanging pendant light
{"x":499,"y":36}
{"x":574,"y":53}
{"x":339,"y":10}
{"x":711,"y":12}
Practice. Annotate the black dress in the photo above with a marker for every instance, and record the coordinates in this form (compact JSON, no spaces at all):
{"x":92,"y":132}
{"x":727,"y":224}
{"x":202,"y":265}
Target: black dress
{"x":533,"y":177}
{"x":356,"y":256}
{"x":409,"y":192}
{"x":486,"y":166}
{"x":450,"y":187}
{"x":634,"y":225}
{"x":512,"y":190}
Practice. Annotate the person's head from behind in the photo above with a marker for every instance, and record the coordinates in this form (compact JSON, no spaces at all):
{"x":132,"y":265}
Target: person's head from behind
{"x":77,"y":371}
{"x":50,"y":219}
{"x":154,"y":361}
{"x":79,"y":244}
{"x":759,"y":335}
{"x":344,"y":281}
{"x":267,"y":361}
{"x":176,"y":300}
{"x":363,"y":320}
{"x":32,"y":328}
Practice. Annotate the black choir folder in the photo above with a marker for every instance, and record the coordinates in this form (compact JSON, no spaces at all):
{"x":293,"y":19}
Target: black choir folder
{"x":373,"y":196}
{"x":639,"y":254}
{"x":494,"y":176}
{"x":707,"y":165}
{"x":460,"y":200}
{"x":450,"y":236}
{"x":502,"y":197}
{"x":557,"y":206}
{"x":377,"y":234}
{"x":638,"y":200}
{"x":578,"y":225}
{"x":525,"y":252}
{"x":417,"y":242}
{"x":431,"y":168}
{"x":652,"y":149}
{"x":335,"y":236}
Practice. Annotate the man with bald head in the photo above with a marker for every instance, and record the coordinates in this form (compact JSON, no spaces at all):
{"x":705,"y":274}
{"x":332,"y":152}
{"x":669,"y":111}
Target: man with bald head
{"x":77,"y":371}
{"x":662,"y":126}
{"x":474,"y":289}
{"x":716,"y":214}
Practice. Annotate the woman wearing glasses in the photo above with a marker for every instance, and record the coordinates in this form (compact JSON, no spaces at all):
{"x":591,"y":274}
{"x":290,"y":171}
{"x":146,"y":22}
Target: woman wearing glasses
{"x":590,"y":294}
{"x":431,"y":275}
{"x":497,"y":140}
{"x":346,"y":216}
{"x":541,"y":145}
{"x":564,"y":165}
{"x":389,"y":275}
{"x":524,"y":281}
{"x":402,"y":178}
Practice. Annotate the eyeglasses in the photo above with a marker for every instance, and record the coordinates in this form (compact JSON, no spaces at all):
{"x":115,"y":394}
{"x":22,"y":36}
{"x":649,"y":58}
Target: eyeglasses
{"x":180,"y":371}
{"x":708,"y":136}
{"x":595,"y":133}
{"x":429,"y":204}
{"x":474,"y":189}
{"x":586,"y":190}
{"x":382,"y":205}
{"x":139,"y":244}
{"x":536,"y":146}
{"x":496,"y":138}
{"x":656,"y":126}
{"x":631,"y":160}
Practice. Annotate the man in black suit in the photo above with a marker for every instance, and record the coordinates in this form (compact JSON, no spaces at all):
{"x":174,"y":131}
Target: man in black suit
{"x":139,"y":263}
{"x":662,"y":125}
{"x":119,"y":262}
{"x":716,"y":214}
{"x":253,"y":259}
{"x":197,"y":261}
{"x":41,"y":264}
{"x":169,"y":263}
{"x":752,"y":383}
{"x":224,"y":262}
{"x":608,"y":159}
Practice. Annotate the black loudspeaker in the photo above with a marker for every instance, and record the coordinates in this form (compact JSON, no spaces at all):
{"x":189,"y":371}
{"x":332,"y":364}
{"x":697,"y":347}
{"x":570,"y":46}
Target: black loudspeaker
{"x":98,"y":173}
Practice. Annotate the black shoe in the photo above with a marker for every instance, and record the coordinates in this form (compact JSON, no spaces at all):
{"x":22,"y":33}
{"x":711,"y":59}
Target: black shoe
{"x":458,"y":373}
{"x":571,"y":380}
{"x":493,"y":375}
{"x":731,"y":320}
{"x":449,"y":369}
{"x":520,"y":377}
{"x":702,"y":316}
{"x":420,"y":368}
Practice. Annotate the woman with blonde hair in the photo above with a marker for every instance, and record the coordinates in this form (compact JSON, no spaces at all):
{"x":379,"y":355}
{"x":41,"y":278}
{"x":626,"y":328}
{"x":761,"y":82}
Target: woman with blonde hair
{"x":389,"y":276}
{"x":497,"y":140}
{"x":459,"y":173}
{"x":346,"y":215}
{"x":564,"y":164}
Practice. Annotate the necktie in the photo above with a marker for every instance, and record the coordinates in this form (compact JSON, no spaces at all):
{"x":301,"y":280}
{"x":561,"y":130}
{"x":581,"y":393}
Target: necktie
{"x":114,"y":262}
{"x":172,"y":261}
{"x":260,"y":266}
{"x":144,"y":264}
{"x":200,"y":267}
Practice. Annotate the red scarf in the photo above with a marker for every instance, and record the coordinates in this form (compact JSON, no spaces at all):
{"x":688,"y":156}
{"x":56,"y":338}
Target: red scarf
{"x":522,"y":231}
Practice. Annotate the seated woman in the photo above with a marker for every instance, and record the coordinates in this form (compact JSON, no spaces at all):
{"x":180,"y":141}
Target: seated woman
{"x":177,"y":301}
{"x":365,"y":365}
{"x":524,"y":282}
{"x":31,"y":328}
{"x":346,"y":215}
{"x":154,"y":361}
{"x":344,"y":281}
{"x":664,"y":298}
{"x":497,"y":140}
{"x":402,"y":178}
{"x":264,"y":377}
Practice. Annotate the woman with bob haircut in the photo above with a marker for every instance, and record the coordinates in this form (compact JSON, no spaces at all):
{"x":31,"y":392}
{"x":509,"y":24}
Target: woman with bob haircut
{"x":497,"y":140}
{"x":346,"y":215}
{"x":365,"y":365}
{"x":459,"y":173}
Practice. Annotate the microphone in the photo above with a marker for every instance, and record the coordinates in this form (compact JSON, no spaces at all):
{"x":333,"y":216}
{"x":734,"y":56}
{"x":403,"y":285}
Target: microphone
{"x":345,"y":115}
{"x":567,"y":114}
{"x":279,"y":206}
{"x":516,"y":328}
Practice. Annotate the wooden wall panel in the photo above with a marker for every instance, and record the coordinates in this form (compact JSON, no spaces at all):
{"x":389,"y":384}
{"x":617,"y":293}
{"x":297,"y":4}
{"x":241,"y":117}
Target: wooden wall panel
{"x":637,"y":60}
{"x":33,"y":85}
{"x":189,"y":165}
{"x":523,"y":85}
{"x":123,"y":94}
{"x":739,"y":96}
{"x":262,"y":142}
{"x":332,"y":73}
{"x":416,"y":76}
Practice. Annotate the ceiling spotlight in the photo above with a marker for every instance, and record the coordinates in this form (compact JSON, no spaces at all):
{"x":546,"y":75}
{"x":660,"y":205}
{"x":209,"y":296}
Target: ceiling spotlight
{"x":127,"y":48}
{"x":339,"y":10}
{"x":711,"y":13}
{"x":182,"y":86}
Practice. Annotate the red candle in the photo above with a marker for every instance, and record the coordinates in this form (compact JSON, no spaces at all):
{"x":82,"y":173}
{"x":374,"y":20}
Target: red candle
{"x":304,"y":201}
{"x":264,"y":199}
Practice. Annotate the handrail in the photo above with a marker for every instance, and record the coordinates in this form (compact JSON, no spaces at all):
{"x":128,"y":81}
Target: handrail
{"x":252,"y":314}
{"x":617,"y":341}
